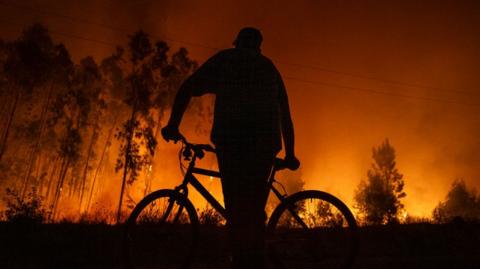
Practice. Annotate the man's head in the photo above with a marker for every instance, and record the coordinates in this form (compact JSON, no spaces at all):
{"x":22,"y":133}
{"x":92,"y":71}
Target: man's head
{"x":248,"y":38}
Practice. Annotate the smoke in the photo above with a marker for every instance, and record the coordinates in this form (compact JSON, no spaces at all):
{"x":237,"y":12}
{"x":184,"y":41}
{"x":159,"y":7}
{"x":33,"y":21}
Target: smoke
{"x":343,"y":99}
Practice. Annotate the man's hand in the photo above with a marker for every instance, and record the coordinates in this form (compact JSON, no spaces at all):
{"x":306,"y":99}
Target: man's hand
{"x":170,"y":132}
{"x":292,"y":162}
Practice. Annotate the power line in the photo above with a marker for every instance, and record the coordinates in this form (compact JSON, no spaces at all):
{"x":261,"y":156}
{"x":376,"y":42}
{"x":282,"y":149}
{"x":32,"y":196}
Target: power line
{"x":213,"y":48}
{"x":122,"y":30}
{"x":320,"y":83}
{"x":68,"y":35}
{"x":407,"y":84}
{"x":373,"y":91}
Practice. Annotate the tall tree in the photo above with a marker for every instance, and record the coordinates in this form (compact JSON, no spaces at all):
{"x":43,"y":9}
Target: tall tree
{"x":53,"y":114}
{"x":68,"y":152}
{"x":33,"y":67}
{"x":72,"y":109}
{"x":378,"y":198}
{"x":152,"y":80}
{"x":57,"y":83}
{"x":28,"y":66}
{"x":171,"y":73}
{"x":136,"y":132}
{"x":88,"y":82}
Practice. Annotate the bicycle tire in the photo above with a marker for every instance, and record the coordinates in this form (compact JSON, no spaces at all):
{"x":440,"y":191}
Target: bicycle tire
{"x":308,"y":241}
{"x":161,"y":232}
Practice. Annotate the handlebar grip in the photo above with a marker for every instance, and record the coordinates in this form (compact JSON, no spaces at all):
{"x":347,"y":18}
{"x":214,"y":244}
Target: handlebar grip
{"x":281,"y":164}
{"x":207,"y":147}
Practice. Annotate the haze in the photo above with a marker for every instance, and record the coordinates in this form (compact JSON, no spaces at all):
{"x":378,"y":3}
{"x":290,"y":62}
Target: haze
{"x":356,"y":72}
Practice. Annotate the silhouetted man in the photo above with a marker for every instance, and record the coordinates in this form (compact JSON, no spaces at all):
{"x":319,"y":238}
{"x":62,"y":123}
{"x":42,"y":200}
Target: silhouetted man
{"x":251,"y":115}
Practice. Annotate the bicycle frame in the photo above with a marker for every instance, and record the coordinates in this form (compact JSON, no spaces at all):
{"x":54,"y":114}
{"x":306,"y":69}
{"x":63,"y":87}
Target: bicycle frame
{"x":189,"y":178}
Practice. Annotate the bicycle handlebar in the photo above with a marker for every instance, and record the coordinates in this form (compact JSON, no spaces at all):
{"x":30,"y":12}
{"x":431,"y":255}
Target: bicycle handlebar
{"x":199,"y":151}
{"x":281,"y":164}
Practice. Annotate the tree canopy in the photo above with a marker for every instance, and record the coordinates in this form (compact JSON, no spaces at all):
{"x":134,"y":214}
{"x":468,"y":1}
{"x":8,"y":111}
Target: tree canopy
{"x":59,"y":118}
{"x":460,"y":202}
{"x":377,"y":199}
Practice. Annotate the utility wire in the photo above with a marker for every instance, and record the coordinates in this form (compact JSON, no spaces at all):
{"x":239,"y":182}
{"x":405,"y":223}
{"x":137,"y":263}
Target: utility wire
{"x":373,"y":91}
{"x":122,"y":30}
{"x":320,"y":83}
{"x":68,"y":35}
{"x":388,"y":81}
{"x":213,"y":48}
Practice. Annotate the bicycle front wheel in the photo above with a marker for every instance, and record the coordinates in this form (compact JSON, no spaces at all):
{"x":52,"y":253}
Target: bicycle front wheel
{"x":312,"y":229}
{"x":161,"y":232}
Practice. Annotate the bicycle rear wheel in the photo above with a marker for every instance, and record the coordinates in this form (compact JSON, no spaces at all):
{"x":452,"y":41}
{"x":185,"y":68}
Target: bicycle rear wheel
{"x":161,"y":232}
{"x":312,"y":229}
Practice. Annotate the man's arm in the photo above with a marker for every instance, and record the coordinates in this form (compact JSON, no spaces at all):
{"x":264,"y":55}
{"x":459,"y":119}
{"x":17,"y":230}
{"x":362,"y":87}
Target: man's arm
{"x":287,"y":127}
{"x":200,"y":82}
{"x":180,"y":104}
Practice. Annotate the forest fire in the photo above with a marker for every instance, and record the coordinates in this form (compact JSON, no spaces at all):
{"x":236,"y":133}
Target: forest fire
{"x":66,"y":117}
{"x":384,"y":98}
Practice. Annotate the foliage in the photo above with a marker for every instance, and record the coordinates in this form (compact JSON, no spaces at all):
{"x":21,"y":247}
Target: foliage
{"x":54,"y":111}
{"x":327,"y":215}
{"x":460,"y":202}
{"x":146,"y":80}
{"x":98,"y":216}
{"x":378,"y":198}
{"x":28,"y":210}
{"x":210,"y":216}
{"x":33,"y":59}
{"x":139,"y":137}
{"x":416,"y":219}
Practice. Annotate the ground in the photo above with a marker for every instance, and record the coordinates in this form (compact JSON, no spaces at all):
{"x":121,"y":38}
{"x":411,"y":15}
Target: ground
{"x":98,"y":246}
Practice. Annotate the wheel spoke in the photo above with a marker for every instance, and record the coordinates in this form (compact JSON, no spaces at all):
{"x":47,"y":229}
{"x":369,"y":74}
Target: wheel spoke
{"x":161,"y":232}
{"x":312,"y":229}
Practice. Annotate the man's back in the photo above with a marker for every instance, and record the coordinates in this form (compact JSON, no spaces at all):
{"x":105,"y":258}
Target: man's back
{"x":246,"y":85}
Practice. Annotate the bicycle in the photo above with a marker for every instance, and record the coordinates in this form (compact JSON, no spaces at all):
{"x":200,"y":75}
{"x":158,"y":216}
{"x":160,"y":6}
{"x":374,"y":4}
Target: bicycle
{"x":163,"y":228}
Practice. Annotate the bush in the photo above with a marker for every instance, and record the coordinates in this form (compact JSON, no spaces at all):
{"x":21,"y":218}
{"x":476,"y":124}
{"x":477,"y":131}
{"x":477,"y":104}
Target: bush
{"x":97,"y":216}
{"x":210,"y":216}
{"x":24,"y":210}
{"x":460,"y":203}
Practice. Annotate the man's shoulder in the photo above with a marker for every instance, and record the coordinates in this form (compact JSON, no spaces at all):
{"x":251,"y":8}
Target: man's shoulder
{"x":242,"y":57}
{"x":234,"y":52}
{"x":225,"y":53}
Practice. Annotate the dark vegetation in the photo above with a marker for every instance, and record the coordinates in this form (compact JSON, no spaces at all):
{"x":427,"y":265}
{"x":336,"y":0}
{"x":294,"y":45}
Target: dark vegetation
{"x":66,"y":245}
{"x":24,"y":210}
{"x":59,"y":119}
{"x":461,"y":204}
{"x":378,"y":198}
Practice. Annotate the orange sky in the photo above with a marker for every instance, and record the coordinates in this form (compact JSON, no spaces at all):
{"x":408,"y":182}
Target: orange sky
{"x":338,"y":59}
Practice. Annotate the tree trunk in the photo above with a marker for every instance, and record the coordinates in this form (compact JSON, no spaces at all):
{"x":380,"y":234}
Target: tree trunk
{"x":36,"y":148}
{"x":85,"y":169}
{"x":4,"y":111}
{"x":3,"y":144}
{"x":58,"y":193}
{"x":150,"y":168}
{"x":125,"y":164}
{"x":47,"y":167}
{"x":52,"y":177}
{"x":54,"y":199}
{"x":107,"y":143}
